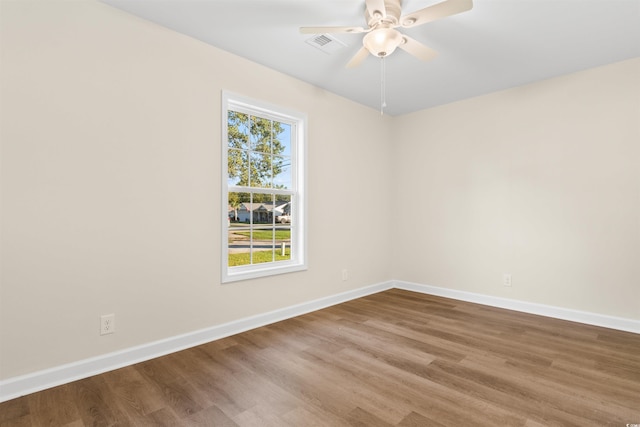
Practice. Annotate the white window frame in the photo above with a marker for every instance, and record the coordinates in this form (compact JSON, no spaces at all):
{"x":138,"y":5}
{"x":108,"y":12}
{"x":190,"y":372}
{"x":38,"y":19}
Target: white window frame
{"x":298,"y":122}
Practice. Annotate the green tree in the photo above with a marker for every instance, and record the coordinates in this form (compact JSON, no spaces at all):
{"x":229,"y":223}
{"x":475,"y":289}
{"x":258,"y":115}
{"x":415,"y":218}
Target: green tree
{"x":254,"y":150}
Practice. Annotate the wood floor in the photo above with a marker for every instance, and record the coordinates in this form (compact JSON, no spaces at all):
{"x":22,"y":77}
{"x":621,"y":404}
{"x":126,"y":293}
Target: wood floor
{"x":395,"y":358}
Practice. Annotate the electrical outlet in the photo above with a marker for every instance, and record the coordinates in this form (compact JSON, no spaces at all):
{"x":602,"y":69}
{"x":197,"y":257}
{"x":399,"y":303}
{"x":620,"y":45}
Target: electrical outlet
{"x":506,"y":280}
{"x":345,"y":274}
{"x":107,"y":324}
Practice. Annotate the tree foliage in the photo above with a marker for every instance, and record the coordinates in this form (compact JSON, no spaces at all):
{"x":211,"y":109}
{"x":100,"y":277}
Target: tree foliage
{"x":254,"y":150}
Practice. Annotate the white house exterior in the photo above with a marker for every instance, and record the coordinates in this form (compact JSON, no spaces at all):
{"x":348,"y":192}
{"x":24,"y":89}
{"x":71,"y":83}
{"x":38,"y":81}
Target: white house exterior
{"x":262,"y":212}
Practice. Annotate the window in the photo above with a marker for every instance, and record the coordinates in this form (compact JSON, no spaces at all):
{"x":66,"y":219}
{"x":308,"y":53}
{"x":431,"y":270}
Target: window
{"x":263,"y":189}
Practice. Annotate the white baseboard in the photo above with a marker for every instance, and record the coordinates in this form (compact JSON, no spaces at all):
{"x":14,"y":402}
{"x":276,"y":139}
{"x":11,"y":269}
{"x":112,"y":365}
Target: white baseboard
{"x":41,"y":380}
{"x":629,"y":325}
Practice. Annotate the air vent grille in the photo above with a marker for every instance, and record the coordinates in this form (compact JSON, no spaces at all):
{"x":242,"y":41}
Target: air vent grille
{"x":326,"y":43}
{"x":322,"y":40}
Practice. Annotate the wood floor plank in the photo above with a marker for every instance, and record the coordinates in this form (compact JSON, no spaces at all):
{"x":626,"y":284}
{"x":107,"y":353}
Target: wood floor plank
{"x":211,"y":416}
{"x":58,"y":407}
{"x":415,"y":419}
{"x":395,"y":358}
{"x":309,"y":416}
{"x":13,"y":410}
{"x":95,"y":402}
{"x":359,"y":417}
{"x":162,"y":417}
{"x":132,"y":392}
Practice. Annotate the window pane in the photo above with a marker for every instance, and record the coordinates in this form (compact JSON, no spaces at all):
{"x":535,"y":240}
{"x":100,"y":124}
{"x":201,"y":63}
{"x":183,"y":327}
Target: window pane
{"x":261,"y":174}
{"x":282,"y":172}
{"x":283,"y":226}
{"x":262,"y":244}
{"x":283,"y":242}
{"x":238,"y":236}
{"x":260,"y":134}
{"x":261,"y":214}
{"x":283,"y":209}
{"x":237,"y":207}
{"x":238,"y":167}
{"x":282,"y":139}
{"x":238,"y":130}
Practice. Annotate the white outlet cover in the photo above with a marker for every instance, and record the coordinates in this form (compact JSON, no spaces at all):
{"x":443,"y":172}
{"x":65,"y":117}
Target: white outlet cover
{"x":107,"y":324}
{"x":506,"y":279}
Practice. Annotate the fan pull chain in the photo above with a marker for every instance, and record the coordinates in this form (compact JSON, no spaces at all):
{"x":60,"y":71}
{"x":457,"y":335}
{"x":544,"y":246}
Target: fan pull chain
{"x":383,"y":95}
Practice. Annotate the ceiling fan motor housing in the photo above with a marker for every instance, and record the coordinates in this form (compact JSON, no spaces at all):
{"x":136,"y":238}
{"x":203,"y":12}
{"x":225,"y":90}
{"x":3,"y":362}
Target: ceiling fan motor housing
{"x":390,"y":16}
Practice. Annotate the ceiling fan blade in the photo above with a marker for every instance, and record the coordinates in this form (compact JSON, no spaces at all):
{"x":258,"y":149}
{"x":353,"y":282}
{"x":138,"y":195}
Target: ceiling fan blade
{"x":358,"y":57}
{"x":436,"y":11}
{"x":417,"y":49}
{"x":322,"y":30}
{"x":374,"y":6}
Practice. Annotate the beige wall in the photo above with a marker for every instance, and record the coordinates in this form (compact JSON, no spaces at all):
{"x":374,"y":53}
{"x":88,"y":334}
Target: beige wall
{"x":110,"y":132}
{"x":111,"y":185}
{"x":540,"y":181}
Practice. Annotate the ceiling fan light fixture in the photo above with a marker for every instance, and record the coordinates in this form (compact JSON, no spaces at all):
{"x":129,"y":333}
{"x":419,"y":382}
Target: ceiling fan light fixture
{"x":382,"y":42}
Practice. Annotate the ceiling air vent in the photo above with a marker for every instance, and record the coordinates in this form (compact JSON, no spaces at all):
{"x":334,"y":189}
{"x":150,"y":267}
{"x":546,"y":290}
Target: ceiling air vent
{"x":326,"y":43}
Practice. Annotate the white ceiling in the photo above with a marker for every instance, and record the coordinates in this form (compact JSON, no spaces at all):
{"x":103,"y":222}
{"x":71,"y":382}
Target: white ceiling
{"x":496,"y":45}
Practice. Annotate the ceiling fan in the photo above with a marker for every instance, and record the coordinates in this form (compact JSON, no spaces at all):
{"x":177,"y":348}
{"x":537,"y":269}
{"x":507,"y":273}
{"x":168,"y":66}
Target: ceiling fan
{"x":383,"y":17}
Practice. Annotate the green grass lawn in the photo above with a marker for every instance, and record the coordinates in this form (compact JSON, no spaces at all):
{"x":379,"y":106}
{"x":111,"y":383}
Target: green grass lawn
{"x":258,"y":257}
{"x":266,"y":234}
